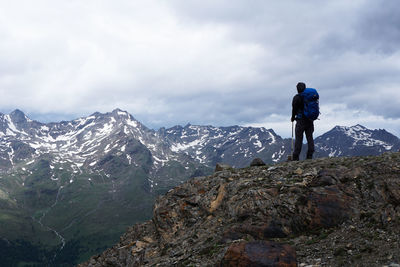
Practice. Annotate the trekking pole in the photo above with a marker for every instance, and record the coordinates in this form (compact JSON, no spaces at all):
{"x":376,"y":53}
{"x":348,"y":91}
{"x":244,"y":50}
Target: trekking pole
{"x":292,"y":138}
{"x":289,"y":158}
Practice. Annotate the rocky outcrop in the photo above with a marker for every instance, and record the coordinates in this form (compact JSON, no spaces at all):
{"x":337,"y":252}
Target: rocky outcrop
{"x":324,"y":212}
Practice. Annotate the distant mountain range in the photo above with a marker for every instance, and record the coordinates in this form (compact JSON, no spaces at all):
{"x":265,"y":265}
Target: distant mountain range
{"x":85,"y":142}
{"x":60,"y":180}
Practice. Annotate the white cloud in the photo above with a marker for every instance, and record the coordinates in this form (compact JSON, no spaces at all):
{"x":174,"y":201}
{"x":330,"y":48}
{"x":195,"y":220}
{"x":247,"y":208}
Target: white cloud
{"x":105,"y":55}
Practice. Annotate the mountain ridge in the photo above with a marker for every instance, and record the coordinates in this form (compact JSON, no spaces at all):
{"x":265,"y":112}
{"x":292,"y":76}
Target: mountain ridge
{"x":204,"y":144}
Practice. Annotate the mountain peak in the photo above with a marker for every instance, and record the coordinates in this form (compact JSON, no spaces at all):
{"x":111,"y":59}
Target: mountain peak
{"x":17,"y":112}
{"x":17,"y":116}
{"x":120,"y":112}
{"x":359,"y":127}
{"x":117,"y":114}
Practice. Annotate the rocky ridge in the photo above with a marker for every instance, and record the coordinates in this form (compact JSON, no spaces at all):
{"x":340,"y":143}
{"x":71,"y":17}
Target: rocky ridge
{"x":324,"y":212}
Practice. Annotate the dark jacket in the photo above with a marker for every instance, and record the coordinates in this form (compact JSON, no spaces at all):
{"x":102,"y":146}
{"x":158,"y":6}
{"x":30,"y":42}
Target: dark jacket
{"x":297,"y":106}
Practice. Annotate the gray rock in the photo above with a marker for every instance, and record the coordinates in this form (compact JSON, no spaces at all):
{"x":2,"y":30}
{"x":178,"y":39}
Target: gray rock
{"x":257,"y":162}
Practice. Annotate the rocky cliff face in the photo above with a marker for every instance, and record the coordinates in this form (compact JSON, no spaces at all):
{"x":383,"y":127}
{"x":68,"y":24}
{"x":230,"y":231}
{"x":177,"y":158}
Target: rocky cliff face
{"x":324,"y":212}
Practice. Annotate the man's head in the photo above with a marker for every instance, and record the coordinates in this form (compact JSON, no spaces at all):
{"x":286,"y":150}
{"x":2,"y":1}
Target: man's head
{"x":301,"y":87}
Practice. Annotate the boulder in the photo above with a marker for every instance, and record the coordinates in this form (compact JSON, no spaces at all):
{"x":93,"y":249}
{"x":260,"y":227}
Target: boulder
{"x":257,"y":162}
{"x":260,"y":253}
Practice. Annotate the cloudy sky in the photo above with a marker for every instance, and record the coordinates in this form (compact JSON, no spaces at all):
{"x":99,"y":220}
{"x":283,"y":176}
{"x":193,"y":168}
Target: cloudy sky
{"x":214,"y":62}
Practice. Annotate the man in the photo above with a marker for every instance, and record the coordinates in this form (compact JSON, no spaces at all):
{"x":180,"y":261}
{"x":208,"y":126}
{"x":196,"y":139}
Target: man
{"x":303,"y":124}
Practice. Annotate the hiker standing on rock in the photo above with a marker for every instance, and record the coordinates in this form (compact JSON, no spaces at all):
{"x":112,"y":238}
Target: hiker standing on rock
{"x":305,"y":109}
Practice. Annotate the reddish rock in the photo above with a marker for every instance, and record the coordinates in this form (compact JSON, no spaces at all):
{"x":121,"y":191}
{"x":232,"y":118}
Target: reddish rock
{"x":328,"y":208}
{"x":260,"y":253}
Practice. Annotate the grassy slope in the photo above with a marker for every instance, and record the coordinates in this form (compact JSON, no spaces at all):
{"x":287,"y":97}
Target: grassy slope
{"x":80,"y":215}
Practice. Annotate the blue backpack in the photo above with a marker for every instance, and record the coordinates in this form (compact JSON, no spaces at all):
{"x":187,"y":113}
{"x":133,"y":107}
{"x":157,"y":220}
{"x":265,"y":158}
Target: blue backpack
{"x":311,"y":103}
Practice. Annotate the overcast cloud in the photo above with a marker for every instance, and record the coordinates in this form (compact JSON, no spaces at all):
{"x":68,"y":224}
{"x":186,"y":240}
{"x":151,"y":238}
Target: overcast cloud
{"x":214,"y":62}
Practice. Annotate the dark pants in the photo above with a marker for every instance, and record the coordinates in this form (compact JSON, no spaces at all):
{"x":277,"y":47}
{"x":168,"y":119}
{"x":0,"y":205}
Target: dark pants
{"x":304,"y":126}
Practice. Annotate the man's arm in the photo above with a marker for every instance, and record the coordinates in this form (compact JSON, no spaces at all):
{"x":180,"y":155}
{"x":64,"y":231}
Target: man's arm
{"x":296,"y":106}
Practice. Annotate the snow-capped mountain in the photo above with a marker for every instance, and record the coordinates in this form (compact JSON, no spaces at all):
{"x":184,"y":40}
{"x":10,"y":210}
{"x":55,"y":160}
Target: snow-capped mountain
{"x":80,"y":141}
{"x":355,"y":141}
{"x":234,"y":145}
{"x":84,"y":142}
